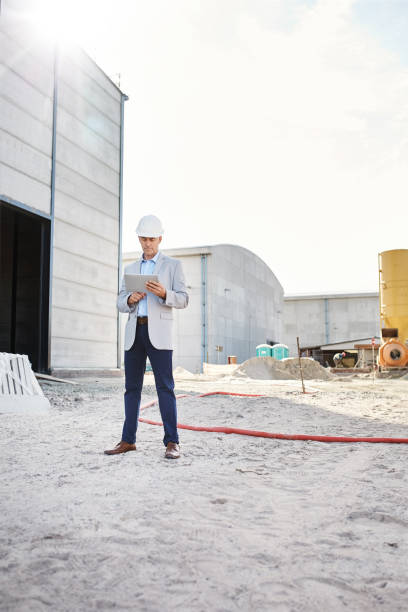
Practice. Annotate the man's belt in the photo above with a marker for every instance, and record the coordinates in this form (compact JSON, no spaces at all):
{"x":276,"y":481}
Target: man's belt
{"x":141,"y":320}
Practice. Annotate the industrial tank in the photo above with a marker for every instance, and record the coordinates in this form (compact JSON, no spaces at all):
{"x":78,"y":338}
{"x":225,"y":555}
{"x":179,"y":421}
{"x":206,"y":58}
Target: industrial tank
{"x":393,"y":271}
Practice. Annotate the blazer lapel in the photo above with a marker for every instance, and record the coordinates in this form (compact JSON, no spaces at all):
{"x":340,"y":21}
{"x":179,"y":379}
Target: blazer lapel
{"x":135,"y":267}
{"x":159,"y":263}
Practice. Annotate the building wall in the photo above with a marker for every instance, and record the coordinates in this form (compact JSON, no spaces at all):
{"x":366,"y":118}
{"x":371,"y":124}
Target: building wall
{"x":26,"y":100}
{"x":324,"y":319}
{"x":188,"y":331}
{"x":244,"y":305}
{"x":85,"y":270}
{"x":87,"y":178}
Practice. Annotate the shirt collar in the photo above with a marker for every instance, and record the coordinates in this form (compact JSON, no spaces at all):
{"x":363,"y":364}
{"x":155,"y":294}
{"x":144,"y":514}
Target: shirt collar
{"x":154,"y":259}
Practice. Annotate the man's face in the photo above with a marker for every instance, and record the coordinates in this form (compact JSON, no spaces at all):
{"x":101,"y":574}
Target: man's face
{"x":150,"y":246}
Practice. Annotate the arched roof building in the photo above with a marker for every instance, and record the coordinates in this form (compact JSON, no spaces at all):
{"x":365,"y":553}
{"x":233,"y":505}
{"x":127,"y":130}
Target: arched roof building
{"x":236,"y":303}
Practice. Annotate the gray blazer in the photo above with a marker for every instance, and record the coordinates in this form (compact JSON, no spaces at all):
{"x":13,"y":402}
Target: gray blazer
{"x":160,"y":312}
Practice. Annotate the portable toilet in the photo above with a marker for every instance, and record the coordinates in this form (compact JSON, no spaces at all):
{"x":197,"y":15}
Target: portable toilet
{"x":280,"y":351}
{"x":264,"y":350}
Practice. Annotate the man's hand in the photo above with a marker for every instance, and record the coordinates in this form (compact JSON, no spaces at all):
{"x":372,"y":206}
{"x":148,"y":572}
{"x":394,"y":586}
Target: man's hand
{"x":135,"y":298}
{"x":157,"y":289}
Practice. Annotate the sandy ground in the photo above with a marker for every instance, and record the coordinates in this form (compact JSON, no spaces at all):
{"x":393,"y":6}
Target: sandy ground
{"x":237,"y":523}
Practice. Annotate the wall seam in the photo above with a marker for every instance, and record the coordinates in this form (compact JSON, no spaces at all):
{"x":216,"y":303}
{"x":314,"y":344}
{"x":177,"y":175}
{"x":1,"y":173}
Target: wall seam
{"x":52,"y":203}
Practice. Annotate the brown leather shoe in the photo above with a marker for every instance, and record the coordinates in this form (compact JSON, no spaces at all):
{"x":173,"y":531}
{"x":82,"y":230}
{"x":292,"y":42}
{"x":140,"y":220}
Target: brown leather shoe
{"x":172,"y":451}
{"x":121,"y":447}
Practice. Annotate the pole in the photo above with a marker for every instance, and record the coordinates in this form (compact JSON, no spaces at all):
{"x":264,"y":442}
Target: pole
{"x":123,"y":99}
{"x":373,"y":357}
{"x":300,"y":365}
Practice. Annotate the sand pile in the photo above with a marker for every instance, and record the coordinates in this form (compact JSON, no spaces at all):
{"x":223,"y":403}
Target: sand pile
{"x":269,"y":368}
{"x":312,"y":370}
{"x":263,"y":368}
{"x":180,"y":372}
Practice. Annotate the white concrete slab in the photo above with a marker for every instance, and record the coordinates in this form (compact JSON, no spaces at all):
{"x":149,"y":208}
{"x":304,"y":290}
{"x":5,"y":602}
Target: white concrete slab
{"x":84,"y":190}
{"x":82,"y":82}
{"x":24,"y":189}
{"x":87,"y":166}
{"x":80,"y":242}
{"x":68,"y":266}
{"x":86,"y":217}
{"x":78,"y":105}
{"x":24,"y":405}
{"x":25,"y":95}
{"x":82,"y":136}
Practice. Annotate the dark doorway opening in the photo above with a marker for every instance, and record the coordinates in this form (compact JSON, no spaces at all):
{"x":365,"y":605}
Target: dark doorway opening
{"x":24,"y":284}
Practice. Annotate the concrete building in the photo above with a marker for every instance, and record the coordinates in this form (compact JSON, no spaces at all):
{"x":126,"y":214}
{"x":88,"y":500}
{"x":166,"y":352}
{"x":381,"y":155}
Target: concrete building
{"x":236,"y":303}
{"x":61,"y":136}
{"x":325,"y":319}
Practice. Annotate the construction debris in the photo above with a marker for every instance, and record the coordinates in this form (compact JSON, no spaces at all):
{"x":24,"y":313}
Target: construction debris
{"x":19,"y":389}
{"x":49,"y":378}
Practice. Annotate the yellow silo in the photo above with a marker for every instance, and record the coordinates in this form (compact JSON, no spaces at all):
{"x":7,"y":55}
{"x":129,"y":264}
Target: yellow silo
{"x":393,"y":270}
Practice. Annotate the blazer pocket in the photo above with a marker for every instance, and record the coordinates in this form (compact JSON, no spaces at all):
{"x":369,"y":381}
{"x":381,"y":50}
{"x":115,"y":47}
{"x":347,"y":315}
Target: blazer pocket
{"x":166,"y":315}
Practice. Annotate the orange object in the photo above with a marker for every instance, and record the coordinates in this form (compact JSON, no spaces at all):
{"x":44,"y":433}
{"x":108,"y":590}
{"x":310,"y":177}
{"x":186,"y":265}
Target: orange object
{"x":267,"y":434}
{"x":393,"y":354}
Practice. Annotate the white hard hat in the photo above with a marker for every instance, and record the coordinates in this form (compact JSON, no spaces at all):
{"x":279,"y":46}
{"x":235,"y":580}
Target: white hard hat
{"x":150,"y":227}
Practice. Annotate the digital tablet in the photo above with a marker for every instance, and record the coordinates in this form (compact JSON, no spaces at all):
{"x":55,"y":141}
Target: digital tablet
{"x":137,"y":282}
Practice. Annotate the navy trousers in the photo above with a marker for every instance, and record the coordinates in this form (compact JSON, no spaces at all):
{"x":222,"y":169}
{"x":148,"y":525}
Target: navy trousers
{"x":162,"y":366}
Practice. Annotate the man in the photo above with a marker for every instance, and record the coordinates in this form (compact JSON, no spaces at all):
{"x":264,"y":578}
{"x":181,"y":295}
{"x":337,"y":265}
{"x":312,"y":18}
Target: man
{"x":338,"y":359}
{"x":149,"y":334}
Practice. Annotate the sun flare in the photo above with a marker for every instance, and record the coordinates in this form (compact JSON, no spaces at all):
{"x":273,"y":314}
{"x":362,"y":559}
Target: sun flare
{"x":63,"y":21}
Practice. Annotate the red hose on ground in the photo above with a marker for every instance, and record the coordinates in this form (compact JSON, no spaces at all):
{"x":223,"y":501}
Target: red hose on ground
{"x":266,"y":434}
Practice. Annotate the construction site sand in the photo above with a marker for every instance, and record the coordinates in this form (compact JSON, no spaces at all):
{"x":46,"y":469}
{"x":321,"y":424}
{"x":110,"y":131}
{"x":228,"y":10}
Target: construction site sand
{"x":237,"y":523}
{"x":268,"y":368}
{"x":260,"y":368}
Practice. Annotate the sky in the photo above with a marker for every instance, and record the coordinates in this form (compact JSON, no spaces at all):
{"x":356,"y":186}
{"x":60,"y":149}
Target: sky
{"x":277,"y":125}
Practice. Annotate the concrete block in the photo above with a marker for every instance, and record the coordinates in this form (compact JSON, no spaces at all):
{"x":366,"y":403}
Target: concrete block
{"x":24,"y":189}
{"x":19,"y":389}
{"x":24,"y":158}
{"x":84,"y":190}
{"x":35,"y":67}
{"x":86,"y":217}
{"x":25,"y":95}
{"x":81,"y":82}
{"x":73,"y":353}
{"x":25,"y":405}
{"x":82,"y":298}
{"x":77,"y":325}
{"x":70,"y":266}
{"x":77,"y":105}
{"x":87,"y":166}
{"x":85,"y":138}
{"x":80,"y":242}
{"x":25,"y":127}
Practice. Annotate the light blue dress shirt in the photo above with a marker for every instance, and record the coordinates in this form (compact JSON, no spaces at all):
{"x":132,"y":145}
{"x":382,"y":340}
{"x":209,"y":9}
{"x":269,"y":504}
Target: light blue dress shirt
{"x":146,"y":267}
